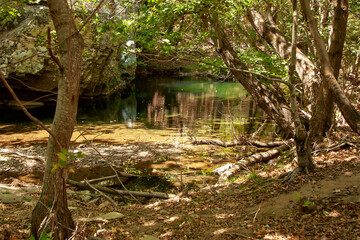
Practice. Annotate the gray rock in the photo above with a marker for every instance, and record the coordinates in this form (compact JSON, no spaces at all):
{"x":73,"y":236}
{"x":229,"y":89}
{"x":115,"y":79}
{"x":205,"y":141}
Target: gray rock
{"x":106,"y":66}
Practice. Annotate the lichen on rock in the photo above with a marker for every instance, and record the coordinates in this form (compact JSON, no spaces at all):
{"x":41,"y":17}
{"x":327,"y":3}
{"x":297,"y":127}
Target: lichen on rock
{"x":27,"y":66}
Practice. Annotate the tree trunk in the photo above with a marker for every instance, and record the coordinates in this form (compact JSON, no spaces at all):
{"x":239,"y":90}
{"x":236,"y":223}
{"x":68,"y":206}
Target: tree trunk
{"x":323,"y":111}
{"x":306,"y":70}
{"x":303,"y":146}
{"x":52,"y":204}
{"x":338,"y":34}
{"x":349,"y":112}
{"x":268,"y":99}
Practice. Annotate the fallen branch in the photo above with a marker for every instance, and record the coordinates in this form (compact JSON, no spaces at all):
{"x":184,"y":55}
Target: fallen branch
{"x":101,"y":193}
{"x":11,"y":152}
{"x":251,"y":160}
{"x":121,"y":192}
{"x":121,"y":174}
{"x":122,"y":184}
{"x":235,"y":143}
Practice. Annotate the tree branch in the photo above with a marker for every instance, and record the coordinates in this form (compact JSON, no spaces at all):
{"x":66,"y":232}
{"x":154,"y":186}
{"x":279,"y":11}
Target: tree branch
{"x":34,"y":119}
{"x":55,"y":59}
{"x":91,"y":15}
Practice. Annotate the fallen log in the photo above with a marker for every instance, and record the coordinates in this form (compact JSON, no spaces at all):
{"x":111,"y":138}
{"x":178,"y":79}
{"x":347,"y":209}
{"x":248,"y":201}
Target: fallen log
{"x":235,"y":143}
{"x":234,"y":168}
{"x":121,"y":192}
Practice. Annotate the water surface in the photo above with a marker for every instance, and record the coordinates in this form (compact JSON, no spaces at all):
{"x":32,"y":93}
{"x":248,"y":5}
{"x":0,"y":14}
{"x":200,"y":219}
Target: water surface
{"x":191,"y":106}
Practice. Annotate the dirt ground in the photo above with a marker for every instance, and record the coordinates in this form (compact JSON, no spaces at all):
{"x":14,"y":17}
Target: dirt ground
{"x":255,"y":205}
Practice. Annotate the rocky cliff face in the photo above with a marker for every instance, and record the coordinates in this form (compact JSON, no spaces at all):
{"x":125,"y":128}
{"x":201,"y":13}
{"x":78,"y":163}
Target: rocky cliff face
{"x":26,"y":64}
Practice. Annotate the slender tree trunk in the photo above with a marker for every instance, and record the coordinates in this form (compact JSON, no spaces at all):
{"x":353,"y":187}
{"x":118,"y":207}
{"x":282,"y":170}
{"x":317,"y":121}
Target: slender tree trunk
{"x":351,"y":115}
{"x":51,"y":213}
{"x":305,"y":69}
{"x":323,"y":110}
{"x":322,"y":104}
{"x":268,"y":99}
{"x":338,"y":34}
{"x":303,"y":146}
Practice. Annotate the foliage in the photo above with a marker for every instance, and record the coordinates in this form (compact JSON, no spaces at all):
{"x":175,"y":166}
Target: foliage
{"x":303,"y":203}
{"x":43,"y":236}
{"x":10,"y":13}
{"x":65,"y":160}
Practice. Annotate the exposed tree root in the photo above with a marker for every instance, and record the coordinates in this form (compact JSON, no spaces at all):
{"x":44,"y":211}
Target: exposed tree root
{"x":289,"y":176}
{"x":251,"y":160}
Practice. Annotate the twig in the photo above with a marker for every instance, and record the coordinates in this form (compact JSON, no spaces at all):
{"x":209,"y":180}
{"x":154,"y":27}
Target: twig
{"x":91,"y":15}
{"x":259,"y":129}
{"x":55,"y":59}
{"x":102,"y":194}
{"x":27,"y":112}
{"x":111,"y":177}
{"x":256,"y":213}
{"x":122,"y":184}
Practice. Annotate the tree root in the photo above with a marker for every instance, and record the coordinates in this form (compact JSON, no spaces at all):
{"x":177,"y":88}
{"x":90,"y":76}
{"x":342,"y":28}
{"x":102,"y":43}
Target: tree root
{"x":288,"y":177}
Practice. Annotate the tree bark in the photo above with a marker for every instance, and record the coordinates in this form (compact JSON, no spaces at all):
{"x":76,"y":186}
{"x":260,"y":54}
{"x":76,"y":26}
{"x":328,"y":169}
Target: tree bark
{"x":322,"y":104}
{"x":255,"y":158}
{"x":304,"y":67}
{"x":349,"y":112}
{"x":323,"y":110}
{"x":338,"y":34}
{"x":268,"y":99}
{"x":52,"y":206}
{"x":303,"y":146}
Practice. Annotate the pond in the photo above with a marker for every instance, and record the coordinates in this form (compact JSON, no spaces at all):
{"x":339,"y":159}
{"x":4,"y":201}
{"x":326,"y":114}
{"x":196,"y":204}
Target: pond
{"x":148,"y":128}
{"x":192,"y":106}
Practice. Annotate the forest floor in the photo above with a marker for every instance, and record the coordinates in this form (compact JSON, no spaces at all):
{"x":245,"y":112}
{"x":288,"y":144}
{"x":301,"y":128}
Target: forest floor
{"x":257,"y":204}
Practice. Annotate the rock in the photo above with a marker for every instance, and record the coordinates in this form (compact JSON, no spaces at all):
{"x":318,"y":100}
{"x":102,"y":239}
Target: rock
{"x":106,"y":66}
{"x":107,"y":216}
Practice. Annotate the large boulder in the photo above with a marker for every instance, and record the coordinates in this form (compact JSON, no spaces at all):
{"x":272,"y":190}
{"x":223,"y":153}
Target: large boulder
{"x":27,"y":66}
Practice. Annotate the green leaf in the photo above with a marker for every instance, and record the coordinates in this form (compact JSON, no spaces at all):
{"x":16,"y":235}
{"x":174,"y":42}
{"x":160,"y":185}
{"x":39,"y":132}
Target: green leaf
{"x":54,"y":168}
{"x":63,"y":150}
{"x":62,"y":156}
{"x":62,"y":163}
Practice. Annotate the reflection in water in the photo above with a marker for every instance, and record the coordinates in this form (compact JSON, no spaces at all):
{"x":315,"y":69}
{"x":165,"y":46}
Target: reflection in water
{"x":129,"y":111}
{"x":193,"y":107}
{"x":110,"y":109}
{"x":156,"y":112}
{"x":203,"y":108}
